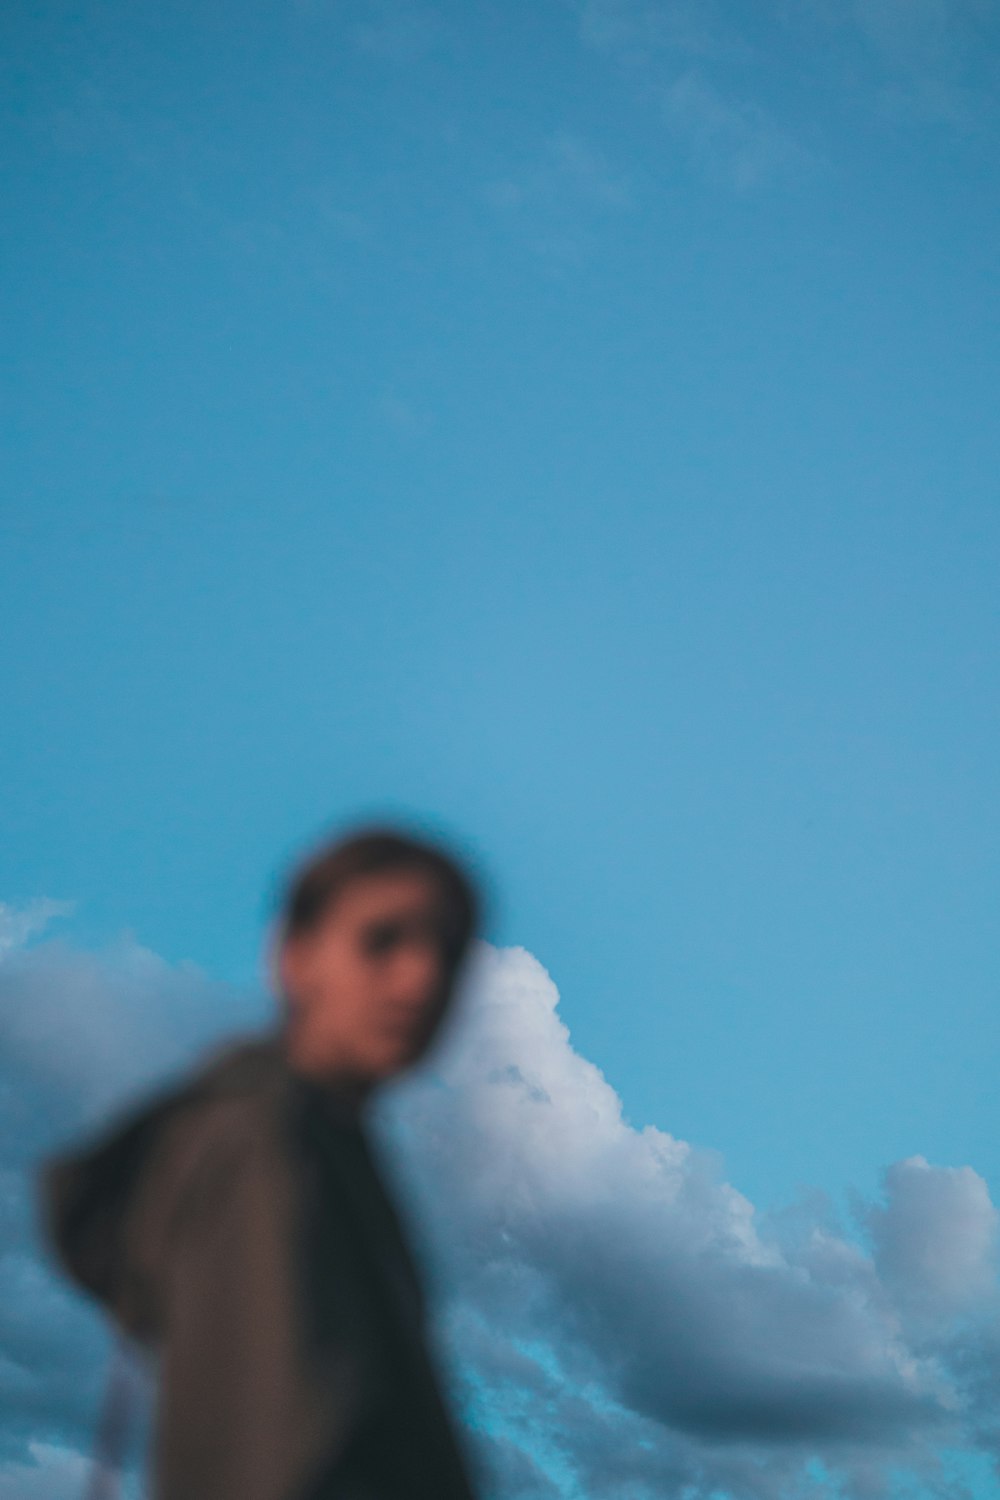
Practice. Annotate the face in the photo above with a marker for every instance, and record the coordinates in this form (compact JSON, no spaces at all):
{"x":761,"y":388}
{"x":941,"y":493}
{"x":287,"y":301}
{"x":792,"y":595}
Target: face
{"x":367,"y":988}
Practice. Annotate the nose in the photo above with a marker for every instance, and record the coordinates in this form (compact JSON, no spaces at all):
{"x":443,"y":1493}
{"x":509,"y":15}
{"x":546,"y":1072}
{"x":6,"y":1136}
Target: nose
{"x":417,"y":972}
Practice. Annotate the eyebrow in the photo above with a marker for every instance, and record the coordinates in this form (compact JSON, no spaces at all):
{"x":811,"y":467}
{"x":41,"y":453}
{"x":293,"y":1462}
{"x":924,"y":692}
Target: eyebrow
{"x":399,"y":924}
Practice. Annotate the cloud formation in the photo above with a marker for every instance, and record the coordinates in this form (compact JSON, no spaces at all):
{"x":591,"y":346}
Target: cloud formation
{"x":705,"y":70}
{"x":691,"y":64}
{"x":395,"y":31}
{"x":929,"y":53}
{"x":555,"y":201}
{"x":19,"y":924}
{"x":632,"y":1316}
{"x":80,"y":1034}
{"x":619,"y":1319}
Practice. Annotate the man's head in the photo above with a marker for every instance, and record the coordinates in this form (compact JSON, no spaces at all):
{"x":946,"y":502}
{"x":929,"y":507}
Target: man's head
{"x":372,"y":934}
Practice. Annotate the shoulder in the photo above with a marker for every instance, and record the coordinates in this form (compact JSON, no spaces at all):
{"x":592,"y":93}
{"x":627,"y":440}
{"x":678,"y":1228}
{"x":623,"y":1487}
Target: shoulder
{"x":109,"y":1204}
{"x":229,"y":1121}
{"x":218,"y":1188}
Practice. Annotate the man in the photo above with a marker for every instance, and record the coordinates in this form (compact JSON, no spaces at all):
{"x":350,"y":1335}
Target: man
{"x":238,"y":1227}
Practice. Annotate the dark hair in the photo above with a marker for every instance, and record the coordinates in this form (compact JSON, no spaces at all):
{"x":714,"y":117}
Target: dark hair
{"x":318,"y":882}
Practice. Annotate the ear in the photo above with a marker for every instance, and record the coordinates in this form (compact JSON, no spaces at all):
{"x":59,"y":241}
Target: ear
{"x":288,"y":964}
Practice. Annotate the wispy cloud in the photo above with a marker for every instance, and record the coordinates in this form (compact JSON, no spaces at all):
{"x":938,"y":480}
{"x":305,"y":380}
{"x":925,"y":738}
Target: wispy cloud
{"x":914,"y":61}
{"x":929,"y":51}
{"x":402,"y":416}
{"x":731,"y":139}
{"x":395,"y":31}
{"x":556,"y":201}
{"x":641,"y":31}
{"x":18,"y":924}
{"x":702,"y":69}
{"x":682,"y":59}
{"x":47,"y":1472}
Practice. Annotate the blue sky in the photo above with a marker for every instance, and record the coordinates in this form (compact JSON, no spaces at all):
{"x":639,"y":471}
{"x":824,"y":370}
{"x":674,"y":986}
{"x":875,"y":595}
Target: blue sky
{"x":572,"y":425}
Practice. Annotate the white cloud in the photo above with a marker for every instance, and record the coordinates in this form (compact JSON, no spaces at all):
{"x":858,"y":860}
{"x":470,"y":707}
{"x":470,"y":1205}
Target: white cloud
{"x":622,"y":1321}
{"x":93,"y":1027}
{"x":626,"y":1310}
{"x":79,"y":1033}
{"x":935,"y":1239}
{"x":49,"y":1472}
{"x":19,"y":924}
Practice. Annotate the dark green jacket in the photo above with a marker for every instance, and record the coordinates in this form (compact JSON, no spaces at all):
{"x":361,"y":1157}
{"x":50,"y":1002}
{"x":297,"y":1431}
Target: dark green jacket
{"x":238,"y":1227}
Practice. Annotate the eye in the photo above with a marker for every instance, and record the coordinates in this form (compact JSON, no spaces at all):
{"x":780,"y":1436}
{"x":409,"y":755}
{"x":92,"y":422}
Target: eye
{"x":382,"y":937}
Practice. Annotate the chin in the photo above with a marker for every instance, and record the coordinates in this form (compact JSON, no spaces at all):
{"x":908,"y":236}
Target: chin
{"x":396,"y":1060}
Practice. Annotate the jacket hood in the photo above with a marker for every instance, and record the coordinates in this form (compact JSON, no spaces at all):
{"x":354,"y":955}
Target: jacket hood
{"x":86,"y":1192}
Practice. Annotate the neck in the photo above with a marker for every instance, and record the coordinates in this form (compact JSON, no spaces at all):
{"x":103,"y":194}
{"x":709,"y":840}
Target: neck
{"x":343,"y":1097}
{"x":341,"y":1094}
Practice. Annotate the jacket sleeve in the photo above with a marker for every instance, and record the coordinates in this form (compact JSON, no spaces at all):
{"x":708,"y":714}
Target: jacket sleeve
{"x":242,"y":1414}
